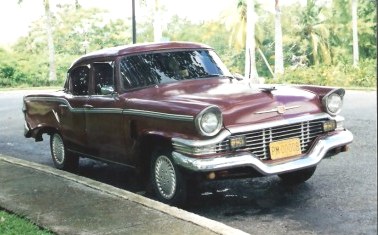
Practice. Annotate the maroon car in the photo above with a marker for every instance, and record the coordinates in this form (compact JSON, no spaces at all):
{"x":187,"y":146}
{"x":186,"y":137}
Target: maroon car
{"x":174,"y":113}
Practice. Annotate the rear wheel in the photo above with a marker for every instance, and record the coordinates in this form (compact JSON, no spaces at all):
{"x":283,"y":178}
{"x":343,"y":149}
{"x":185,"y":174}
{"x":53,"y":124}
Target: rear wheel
{"x":297,"y":177}
{"x":167,"y":182}
{"x":61,"y":158}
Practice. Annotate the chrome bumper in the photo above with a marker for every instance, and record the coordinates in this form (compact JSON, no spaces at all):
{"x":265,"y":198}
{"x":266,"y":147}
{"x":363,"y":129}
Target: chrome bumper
{"x":246,"y":159}
{"x":26,"y":130}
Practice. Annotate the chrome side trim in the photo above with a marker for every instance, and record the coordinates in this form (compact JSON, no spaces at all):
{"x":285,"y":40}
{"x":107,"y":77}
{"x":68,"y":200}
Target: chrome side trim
{"x":136,"y":112}
{"x":59,"y":100}
{"x":103,"y":110}
{"x":245,"y":159}
{"x":201,"y":143}
{"x":169,"y":116}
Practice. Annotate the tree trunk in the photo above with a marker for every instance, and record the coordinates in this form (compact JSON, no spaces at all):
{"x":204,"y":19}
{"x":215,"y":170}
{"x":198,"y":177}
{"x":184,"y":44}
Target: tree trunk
{"x":355,"y":33}
{"x":50,"y":42}
{"x":157,"y":23}
{"x":278,"y":51}
{"x":77,"y":5}
{"x":266,"y":61}
{"x":250,"y":44}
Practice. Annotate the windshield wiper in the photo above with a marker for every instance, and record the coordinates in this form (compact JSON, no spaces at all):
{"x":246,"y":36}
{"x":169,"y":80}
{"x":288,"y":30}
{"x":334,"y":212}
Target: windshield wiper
{"x":268,"y":89}
{"x":220,"y":75}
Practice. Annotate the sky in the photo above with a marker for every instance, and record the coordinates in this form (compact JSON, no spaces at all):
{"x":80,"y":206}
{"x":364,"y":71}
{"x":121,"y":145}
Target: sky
{"x":15,"y":18}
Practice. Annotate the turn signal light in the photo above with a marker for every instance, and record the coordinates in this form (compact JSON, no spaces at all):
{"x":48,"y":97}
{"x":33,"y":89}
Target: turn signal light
{"x":237,"y":142}
{"x":329,"y":125}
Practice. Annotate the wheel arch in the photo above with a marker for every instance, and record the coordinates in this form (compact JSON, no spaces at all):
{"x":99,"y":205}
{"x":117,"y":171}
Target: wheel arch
{"x":148,"y":144}
{"x":37,"y":133}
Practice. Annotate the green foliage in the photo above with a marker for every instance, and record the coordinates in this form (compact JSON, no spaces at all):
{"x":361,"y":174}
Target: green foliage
{"x":211,"y":33}
{"x":76,"y":31}
{"x":340,"y":75}
{"x":314,"y":34}
{"x":367,"y":28}
{"x":317,"y":42}
{"x":10,"y":73}
{"x":11,"y":224}
{"x":29,"y":70}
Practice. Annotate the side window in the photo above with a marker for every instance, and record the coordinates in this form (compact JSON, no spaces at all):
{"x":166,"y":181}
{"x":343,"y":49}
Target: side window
{"x":79,"y":80}
{"x":138,"y":71}
{"x":104,"y":78}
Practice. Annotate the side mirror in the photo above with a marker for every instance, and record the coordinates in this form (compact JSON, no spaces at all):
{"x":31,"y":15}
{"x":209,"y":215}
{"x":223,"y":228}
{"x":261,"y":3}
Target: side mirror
{"x":107,"y":90}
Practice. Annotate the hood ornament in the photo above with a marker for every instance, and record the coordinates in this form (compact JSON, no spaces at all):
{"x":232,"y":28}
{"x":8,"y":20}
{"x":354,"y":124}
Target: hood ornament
{"x":281,"y":109}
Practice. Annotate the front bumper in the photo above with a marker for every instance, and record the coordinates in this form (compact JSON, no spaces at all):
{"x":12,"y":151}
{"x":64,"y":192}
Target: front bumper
{"x":245,"y":159}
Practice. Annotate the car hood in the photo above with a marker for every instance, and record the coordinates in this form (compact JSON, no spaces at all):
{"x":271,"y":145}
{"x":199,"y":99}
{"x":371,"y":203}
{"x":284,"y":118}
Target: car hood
{"x":241,"y":103}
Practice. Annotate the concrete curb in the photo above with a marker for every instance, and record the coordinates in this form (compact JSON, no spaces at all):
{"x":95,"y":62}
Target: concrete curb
{"x":209,"y":224}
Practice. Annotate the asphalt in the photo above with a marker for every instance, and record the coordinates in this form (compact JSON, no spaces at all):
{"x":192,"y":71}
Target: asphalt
{"x":65,"y":203}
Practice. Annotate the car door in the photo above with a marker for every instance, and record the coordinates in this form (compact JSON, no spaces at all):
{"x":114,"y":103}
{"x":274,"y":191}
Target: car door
{"x":72,"y":109}
{"x":104,"y":119}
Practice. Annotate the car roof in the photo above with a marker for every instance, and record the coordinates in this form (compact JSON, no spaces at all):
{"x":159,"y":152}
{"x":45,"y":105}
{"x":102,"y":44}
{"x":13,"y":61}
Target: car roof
{"x":138,"y":48}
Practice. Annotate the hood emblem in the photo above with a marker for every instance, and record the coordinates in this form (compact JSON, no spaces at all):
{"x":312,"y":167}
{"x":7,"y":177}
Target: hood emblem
{"x":281,"y":109}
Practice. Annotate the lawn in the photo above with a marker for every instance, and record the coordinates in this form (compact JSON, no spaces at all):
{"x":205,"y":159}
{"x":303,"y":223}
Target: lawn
{"x":11,"y":224}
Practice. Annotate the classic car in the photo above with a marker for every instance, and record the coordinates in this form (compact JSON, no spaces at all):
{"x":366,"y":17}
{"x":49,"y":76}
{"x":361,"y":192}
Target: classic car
{"x":173,"y":112}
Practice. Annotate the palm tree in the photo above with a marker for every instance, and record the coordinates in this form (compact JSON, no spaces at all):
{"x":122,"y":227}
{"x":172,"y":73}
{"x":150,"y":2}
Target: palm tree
{"x":278,"y":51}
{"x":250,"y":70}
{"x":315,"y":34}
{"x":50,"y":40}
{"x":236,"y":22}
{"x":355,"y":33}
{"x":241,"y":22}
{"x":157,"y":22}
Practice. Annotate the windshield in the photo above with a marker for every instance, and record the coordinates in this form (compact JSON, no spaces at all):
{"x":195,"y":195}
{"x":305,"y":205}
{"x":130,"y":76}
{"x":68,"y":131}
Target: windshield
{"x":159,"y":68}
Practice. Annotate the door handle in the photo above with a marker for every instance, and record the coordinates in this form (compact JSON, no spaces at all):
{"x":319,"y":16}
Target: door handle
{"x":87,"y":106}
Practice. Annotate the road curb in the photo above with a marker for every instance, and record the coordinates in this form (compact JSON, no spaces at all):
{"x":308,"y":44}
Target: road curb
{"x":209,"y":224}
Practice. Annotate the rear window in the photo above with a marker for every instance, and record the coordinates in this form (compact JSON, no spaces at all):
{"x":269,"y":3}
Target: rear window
{"x":79,"y":80}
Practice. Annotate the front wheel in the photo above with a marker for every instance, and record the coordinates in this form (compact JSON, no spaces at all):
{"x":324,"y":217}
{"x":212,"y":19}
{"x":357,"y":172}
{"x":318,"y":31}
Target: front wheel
{"x":297,"y":177}
{"x":166,"y":179}
{"x":61,"y":158}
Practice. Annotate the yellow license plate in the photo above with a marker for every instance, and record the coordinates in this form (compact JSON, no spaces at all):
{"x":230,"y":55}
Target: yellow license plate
{"x":285,"y":148}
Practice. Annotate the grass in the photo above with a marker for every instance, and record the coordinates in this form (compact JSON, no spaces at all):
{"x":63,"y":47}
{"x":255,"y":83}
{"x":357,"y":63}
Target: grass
{"x":11,"y":224}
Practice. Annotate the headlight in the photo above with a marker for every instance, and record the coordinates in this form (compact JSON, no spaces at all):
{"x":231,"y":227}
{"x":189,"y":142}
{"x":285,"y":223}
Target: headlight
{"x":209,"y":121}
{"x":333,"y":101}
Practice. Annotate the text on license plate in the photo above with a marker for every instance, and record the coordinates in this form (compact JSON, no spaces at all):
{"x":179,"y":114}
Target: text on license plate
{"x":285,"y":148}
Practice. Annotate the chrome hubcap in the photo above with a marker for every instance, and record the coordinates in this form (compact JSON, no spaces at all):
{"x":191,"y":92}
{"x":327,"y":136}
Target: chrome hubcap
{"x":58,"y":149}
{"x":165,"y":177}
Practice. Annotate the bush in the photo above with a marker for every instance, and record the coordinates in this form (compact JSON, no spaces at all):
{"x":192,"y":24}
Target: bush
{"x":31,"y":70}
{"x":340,"y":75}
{"x":10,"y":73}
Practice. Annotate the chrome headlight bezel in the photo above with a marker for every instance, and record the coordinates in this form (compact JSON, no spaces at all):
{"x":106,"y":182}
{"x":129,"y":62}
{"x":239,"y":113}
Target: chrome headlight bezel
{"x":333,"y":101}
{"x":207,"y":115}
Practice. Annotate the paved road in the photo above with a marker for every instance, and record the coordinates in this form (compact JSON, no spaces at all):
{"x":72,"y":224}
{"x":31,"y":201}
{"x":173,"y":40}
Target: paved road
{"x":341,"y":198}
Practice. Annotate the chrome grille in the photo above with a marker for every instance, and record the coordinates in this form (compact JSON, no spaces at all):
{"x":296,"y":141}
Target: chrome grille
{"x":257,"y":142}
